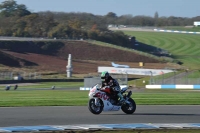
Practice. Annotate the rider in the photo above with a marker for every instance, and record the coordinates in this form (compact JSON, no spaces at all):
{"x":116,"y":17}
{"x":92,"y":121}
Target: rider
{"x":107,"y":80}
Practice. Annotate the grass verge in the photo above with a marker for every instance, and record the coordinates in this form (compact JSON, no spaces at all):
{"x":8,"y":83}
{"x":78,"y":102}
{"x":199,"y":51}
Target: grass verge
{"x":183,"y":47}
{"x":75,"y":97}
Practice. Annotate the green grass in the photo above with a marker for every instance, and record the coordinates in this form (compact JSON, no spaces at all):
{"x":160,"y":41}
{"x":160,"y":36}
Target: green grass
{"x":139,"y":82}
{"x":183,"y":47}
{"x":43,"y":98}
{"x":80,"y":98}
{"x":167,"y":97}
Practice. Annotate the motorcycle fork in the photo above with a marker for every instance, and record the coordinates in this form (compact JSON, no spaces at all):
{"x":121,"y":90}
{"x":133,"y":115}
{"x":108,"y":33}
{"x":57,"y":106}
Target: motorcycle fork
{"x":128,"y":96}
{"x":96,"y":101}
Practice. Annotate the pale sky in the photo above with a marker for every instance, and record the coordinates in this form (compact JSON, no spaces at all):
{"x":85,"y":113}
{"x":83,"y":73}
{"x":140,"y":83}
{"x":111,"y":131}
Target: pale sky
{"x":178,"y":8}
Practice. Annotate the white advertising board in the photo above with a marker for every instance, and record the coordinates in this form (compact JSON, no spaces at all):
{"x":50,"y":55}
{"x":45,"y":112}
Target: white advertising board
{"x":134,"y":71}
{"x":196,"y":23}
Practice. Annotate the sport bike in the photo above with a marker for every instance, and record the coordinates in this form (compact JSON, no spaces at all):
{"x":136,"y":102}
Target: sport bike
{"x":103,"y":100}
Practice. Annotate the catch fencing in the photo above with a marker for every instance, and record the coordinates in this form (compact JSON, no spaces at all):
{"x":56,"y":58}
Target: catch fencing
{"x":92,"y":80}
{"x":6,"y":75}
{"x":177,"y":78}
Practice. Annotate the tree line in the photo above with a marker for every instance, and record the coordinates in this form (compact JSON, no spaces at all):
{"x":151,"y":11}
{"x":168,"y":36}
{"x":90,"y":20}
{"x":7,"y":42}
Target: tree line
{"x":16,"y":20}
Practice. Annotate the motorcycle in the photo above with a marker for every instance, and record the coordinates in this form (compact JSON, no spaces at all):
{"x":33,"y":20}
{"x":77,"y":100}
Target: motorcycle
{"x":102,"y":100}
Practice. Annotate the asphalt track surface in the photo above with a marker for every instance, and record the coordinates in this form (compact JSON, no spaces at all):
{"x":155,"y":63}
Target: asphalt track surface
{"x":69,"y":115}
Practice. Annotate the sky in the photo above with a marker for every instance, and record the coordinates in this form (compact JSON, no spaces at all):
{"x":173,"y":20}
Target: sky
{"x":178,"y":8}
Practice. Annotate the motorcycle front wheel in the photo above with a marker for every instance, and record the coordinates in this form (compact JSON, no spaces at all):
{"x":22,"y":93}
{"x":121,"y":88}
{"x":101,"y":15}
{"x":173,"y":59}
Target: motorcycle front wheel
{"x":129,"y":108}
{"x":93,"y":108}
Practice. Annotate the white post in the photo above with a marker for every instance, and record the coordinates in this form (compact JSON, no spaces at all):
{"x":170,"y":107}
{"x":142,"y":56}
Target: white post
{"x":69,"y":66}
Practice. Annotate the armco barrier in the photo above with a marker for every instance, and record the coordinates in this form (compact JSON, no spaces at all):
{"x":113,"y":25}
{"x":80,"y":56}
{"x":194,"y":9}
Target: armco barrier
{"x":173,"y":87}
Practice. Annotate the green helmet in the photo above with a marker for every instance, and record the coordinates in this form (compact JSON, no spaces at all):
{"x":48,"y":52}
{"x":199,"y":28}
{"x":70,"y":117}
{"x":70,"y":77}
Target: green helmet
{"x":104,"y":75}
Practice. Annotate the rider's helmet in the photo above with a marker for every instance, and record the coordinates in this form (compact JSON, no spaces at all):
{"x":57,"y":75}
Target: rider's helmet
{"x":104,"y":75}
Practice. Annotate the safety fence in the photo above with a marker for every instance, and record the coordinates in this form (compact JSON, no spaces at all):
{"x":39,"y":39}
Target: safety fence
{"x":6,"y":75}
{"x":176,"y":78}
{"x":92,"y":80}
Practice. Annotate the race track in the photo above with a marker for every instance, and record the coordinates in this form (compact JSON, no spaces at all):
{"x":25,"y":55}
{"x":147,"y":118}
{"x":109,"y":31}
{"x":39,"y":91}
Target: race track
{"x":68,"y":115}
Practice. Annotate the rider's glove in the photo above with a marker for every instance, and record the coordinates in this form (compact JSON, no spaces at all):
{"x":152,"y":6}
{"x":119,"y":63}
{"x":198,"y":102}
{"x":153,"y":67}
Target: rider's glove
{"x":103,"y":88}
{"x":110,"y":83}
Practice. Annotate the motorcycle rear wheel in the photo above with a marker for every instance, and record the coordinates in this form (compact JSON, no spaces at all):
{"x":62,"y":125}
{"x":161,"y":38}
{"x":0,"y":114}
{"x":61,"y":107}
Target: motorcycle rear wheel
{"x":129,"y":109}
{"x":93,"y":108}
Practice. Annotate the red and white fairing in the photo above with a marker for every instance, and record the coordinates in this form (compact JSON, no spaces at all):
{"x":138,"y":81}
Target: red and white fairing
{"x":95,"y":92}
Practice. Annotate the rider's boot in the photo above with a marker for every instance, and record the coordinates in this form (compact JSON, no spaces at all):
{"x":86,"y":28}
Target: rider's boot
{"x":121,"y":98}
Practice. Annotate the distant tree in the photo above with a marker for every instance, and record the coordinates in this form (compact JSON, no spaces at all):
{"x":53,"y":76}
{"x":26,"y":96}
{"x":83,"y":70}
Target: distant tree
{"x":125,"y":19}
{"x":111,"y":15}
{"x":92,"y":35}
{"x":94,"y":27}
{"x":18,"y":28}
{"x":10,"y":8}
{"x":22,"y":11}
{"x":162,"y":21}
{"x":156,"y":16}
{"x":110,"y":18}
{"x":75,"y":23}
{"x":16,"y":20}
{"x":7,"y":8}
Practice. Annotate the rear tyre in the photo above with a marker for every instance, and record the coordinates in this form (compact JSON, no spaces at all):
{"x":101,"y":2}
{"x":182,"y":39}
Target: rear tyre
{"x":129,"y":108}
{"x":93,"y":108}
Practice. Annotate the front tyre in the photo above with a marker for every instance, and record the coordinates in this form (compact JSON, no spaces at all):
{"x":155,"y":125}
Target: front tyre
{"x":129,"y":108}
{"x":93,"y":108}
